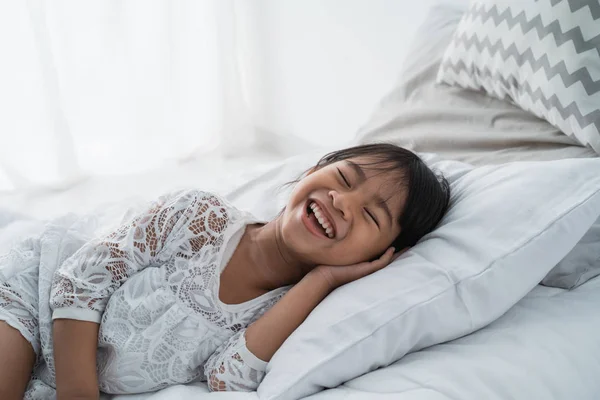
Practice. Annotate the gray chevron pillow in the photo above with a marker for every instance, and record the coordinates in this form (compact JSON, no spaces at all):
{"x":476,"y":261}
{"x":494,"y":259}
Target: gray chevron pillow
{"x":544,"y":55}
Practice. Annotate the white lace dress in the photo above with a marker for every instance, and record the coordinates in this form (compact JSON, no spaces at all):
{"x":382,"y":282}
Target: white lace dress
{"x":153,"y":286}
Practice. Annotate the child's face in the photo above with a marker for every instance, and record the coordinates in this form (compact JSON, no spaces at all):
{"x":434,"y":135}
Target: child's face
{"x":359,"y":206}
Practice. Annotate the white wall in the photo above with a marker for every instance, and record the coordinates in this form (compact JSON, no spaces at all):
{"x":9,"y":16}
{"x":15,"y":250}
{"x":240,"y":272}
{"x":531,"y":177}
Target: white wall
{"x":326,"y":63}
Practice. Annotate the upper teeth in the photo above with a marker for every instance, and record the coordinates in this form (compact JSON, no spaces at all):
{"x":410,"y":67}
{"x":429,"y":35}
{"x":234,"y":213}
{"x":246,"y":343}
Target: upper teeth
{"x":322,"y":219}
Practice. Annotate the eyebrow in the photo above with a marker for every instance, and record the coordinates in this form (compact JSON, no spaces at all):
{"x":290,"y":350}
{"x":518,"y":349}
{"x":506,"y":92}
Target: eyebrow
{"x":363,"y":177}
{"x":359,"y":171}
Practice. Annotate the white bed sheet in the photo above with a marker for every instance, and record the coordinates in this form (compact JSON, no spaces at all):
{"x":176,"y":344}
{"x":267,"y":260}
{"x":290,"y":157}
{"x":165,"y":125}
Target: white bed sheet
{"x":211,"y":173}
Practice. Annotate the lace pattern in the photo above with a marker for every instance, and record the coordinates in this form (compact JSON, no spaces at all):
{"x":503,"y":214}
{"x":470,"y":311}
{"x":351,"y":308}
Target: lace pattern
{"x":19,"y":287}
{"x":97,"y":269}
{"x":227,"y":371}
{"x":153,"y":283}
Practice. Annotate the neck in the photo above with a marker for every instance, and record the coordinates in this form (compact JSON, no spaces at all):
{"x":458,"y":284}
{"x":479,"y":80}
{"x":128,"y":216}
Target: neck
{"x":273,"y":264}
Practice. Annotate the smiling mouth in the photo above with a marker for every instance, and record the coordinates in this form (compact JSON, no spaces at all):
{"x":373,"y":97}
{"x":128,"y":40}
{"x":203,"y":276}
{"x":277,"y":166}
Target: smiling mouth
{"x":318,"y":219}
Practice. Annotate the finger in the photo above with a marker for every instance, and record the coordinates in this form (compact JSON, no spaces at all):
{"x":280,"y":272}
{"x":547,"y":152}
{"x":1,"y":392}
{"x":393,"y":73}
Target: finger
{"x":382,"y":261}
{"x":367,"y":268}
{"x":398,"y":254}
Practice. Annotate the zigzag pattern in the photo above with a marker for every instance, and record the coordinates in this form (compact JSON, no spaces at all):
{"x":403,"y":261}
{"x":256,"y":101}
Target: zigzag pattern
{"x":574,"y":35}
{"x":582,"y":75}
{"x":549,"y":103}
{"x":575,"y":5}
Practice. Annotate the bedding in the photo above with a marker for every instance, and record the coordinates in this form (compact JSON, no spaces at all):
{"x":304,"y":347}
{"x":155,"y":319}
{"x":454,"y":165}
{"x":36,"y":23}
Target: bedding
{"x":546,"y":347}
{"x":475,"y":128}
{"x":580,"y":265}
{"x":495,"y":244}
{"x":542,"y":55}
{"x":540,"y":349}
{"x":455,"y":123}
{"x":267,"y":187}
{"x":469,"y":126}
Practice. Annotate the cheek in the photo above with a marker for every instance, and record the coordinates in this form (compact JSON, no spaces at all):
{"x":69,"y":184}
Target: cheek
{"x":356,"y":249}
{"x":298,"y":195}
{"x":362,"y":244}
{"x":367,"y":245}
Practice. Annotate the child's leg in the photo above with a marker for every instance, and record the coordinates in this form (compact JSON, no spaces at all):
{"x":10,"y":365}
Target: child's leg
{"x":16,"y":363}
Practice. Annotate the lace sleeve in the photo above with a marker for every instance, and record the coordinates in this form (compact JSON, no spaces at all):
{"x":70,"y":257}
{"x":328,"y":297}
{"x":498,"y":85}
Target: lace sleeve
{"x":82,"y":285}
{"x":233,"y":367}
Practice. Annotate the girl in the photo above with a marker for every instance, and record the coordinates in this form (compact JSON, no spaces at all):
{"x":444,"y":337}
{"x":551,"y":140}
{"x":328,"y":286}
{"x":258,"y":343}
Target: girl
{"x":195,"y":289}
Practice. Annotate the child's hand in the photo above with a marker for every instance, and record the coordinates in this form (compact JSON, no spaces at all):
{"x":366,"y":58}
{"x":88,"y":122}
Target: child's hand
{"x":337,"y":275}
{"x":266,"y":335}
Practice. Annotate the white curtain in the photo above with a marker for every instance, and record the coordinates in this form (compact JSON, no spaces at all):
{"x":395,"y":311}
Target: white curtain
{"x":118,"y":86}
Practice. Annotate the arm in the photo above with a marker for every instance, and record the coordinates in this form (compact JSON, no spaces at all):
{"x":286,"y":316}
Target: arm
{"x":75,"y":345}
{"x":238,"y":365}
{"x":83,"y":284}
{"x":267,"y":334}
{"x":252,"y":349}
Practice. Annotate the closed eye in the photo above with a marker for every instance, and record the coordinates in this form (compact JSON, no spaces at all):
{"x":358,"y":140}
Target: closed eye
{"x":372,"y":217}
{"x":344,"y":178}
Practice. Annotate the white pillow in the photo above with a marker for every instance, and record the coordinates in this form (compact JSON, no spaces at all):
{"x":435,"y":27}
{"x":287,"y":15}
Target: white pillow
{"x":580,"y":265}
{"x":470,"y":126}
{"x":507,"y":226}
{"x":542,"y":55}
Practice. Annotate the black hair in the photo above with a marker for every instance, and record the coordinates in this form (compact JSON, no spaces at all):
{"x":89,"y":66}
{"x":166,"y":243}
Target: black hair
{"x":428,"y":191}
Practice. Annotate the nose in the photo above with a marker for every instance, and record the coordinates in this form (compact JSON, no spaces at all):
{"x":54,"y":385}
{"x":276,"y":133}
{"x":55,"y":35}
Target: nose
{"x":340,"y":202}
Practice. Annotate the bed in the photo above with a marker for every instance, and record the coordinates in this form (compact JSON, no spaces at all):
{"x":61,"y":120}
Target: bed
{"x":545,"y":347}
